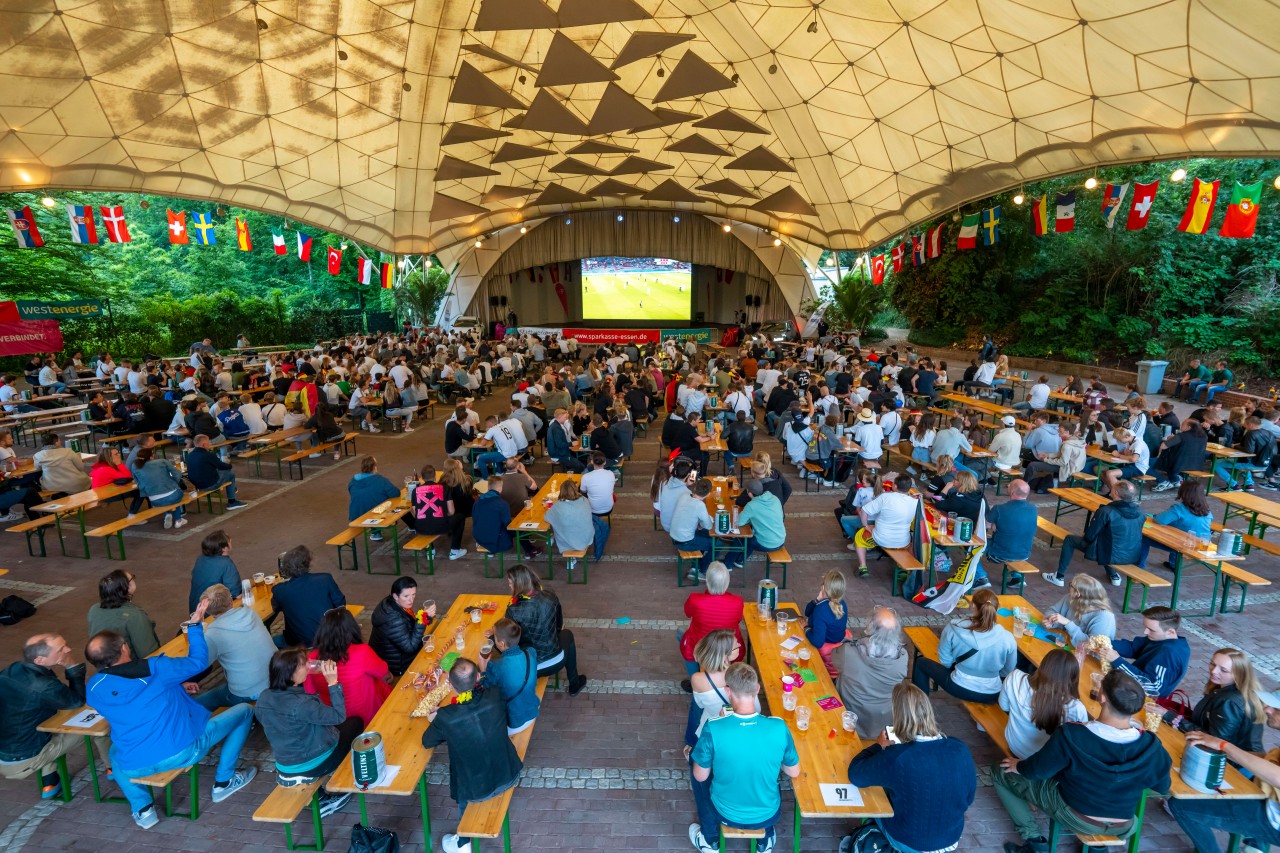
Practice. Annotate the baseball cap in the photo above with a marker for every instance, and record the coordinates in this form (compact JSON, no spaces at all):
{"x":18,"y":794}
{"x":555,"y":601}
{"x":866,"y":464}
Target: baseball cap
{"x":755,"y":488}
{"x":1271,"y":699}
{"x":1008,"y":420}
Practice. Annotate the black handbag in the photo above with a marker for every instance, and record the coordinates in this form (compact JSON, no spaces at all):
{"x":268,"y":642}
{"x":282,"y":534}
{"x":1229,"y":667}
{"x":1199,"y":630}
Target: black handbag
{"x":373,"y":839}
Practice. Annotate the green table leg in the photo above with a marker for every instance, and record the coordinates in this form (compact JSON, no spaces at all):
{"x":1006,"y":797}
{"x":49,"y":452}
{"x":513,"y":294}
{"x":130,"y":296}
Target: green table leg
{"x":64,"y":778}
{"x":93,"y":775}
{"x":506,"y":833}
{"x":395,"y":545}
{"x":364,"y":811}
{"x":1177,"y":580}
{"x":426,"y":812}
{"x":796,"y":830}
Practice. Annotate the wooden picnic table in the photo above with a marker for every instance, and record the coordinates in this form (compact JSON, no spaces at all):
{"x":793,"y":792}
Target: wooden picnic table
{"x":1229,"y":453}
{"x":980,"y":405}
{"x":385,"y":515}
{"x":402,"y":734}
{"x":724,"y":494}
{"x":532,"y":520}
{"x":1184,"y":545}
{"x":1058,"y":397}
{"x":1262,"y":513}
{"x":825,"y":748}
{"x":79,"y":503}
{"x":272,"y":441}
{"x":1174,"y":741}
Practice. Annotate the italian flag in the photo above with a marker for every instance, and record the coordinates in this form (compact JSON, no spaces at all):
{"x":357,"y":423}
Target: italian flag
{"x":968,"y":238}
{"x":1242,"y":211}
{"x":277,"y":243}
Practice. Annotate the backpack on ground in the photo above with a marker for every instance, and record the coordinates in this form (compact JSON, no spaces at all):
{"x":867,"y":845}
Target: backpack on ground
{"x":373,"y":839}
{"x":14,"y":609}
{"x":867,"y":838}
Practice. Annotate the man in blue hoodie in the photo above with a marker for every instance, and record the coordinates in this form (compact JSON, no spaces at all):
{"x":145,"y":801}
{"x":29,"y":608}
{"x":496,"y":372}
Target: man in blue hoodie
{"x":1089,"y":777}
{"x":155,"y":725}
{"x":1114,"y":537}
{"x":1158,"y":659}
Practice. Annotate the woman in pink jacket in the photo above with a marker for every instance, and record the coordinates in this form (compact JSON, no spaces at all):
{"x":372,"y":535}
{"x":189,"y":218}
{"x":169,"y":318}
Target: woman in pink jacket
{"x":365,"y":678}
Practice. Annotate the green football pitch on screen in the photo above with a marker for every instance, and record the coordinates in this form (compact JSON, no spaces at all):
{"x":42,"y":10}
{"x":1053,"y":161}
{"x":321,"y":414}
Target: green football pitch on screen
{"x":635,"y":295}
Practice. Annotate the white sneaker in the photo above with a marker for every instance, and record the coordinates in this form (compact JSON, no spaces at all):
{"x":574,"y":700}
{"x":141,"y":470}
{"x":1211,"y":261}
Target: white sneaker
{"x":851,"y":547}
{"x":146,"y":818}
{"x":453,"y":844}
{"x":457,"y":553}
{"x":408,"y":429}
{"x":168,"y":520}
{"x":238,"y":781}
{"x":181,"y":522}
{"x":1052,"y":578}
{"x":373,"y":428}
{"x":19,"y":515}
{"x":699,"y":840}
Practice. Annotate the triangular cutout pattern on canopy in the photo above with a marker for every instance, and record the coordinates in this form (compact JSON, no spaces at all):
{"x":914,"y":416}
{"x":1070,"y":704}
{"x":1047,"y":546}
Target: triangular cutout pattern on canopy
{"x":692,"y":76}
{"x":638,"y":166}
{"x":567,"y":64}
{"x":642,"y":44}
{"x":510,"y":152}
{"x":583,"y":13}
{"x":788,"y":201}
{"x":618,"y":111}
{"x":698,"y":144}
{"x":514,"y":15}
{"x":501,"y":193}
{"x":724,"y":186}
{"x":548,"y":114}
{"x":610,"y":187}
{"x":669,"y":190}
{"x":486,"y":51}
{"x":453,"y":169}
{"x":462,"y":132}
{"x":730,"y":122}
{"x":594,"y":146}
{"x":472,"y":87}
{"x":760,"y":159}
{"x":447,"y":207}
{"x":574,"y":166}
{"x":557,"y":194}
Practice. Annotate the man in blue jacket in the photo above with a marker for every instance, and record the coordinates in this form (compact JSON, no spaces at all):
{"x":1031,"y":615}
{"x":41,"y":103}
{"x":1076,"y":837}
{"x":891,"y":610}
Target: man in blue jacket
{"x":1159,"y":658}
{"x":206,"y":471}
{"x":155,"y":725}
{"x":489,"y":519}
{"x":1114,"y":537}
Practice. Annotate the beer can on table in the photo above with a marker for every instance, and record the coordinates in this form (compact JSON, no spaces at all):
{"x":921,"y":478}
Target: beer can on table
{"x":585,"y":441}
{"x":1229,"y":543}
{"x":1203,"y":768}
{"x":367,"y":758}
{"x":767,"y":593}
{"x":964,"y":529}
{"x":74,"y":444}
{"x":723,"y":524}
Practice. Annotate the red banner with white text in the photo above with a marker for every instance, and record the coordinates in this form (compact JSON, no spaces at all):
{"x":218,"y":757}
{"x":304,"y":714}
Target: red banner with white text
{"x":613,"y":336}
{"x":21,"y":337}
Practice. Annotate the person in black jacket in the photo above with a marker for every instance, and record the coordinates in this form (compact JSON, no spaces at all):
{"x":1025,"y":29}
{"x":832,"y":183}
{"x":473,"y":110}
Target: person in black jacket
{"x":537,"y":612}
{"x":962,"y":496}
{"x":397,"y":635}
{"x":206,"y":471}
{"x":457,"y":432}
{"x":30,"y":693}
{"x":1183,"y":451}
{"x":762,"y":469}
{"x":303,"y":598}
{"x":1089,"y":777}
{"x":474,"y":725}
{"x":198,"y":420}
{"x":739,"y":439}
{"x":157,"y":412}
{"x":603,"y":441}
{"x":1114,"y":537}
{"x":1230,"y":709}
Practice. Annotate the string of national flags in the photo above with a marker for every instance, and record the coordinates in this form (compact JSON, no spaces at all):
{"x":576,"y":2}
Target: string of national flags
{"x":199,"y":231}
{"x":984,"y":227}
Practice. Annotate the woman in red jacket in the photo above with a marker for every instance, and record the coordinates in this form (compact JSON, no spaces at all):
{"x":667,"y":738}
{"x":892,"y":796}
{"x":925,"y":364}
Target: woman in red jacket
{"x":715,"y":609}
{"x":365,"y":678}
{"x":110,"y":470}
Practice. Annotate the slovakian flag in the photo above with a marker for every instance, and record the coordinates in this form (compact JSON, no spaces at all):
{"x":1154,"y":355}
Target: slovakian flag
{"x":968,"y":238}
{"x":1204,"y":194}
{"x":1040,"y":215}
{"x":202,"y":223}
{"x":83,"y":229}
{"x":364,"y":271}
{"x":1112,"y":198}
{"x":1242,"y":211}
{"x":113,"y":221}
{"x":388,"y":276}
{"x":897,"y":253}
{"x":304,"y":248}
{"x":24,"y":228}
{"x":1064,"y":219}
{"x":178,"y":228}
{"x":243,"y":241}
{"x":877,"y":269}
{"x":991,"y":226}
{"x":1144,"y":195}
{"x":277,"y":243}
{"x":917,"y":250}
{"x":335,"y":260}
{"x":934,"y":240}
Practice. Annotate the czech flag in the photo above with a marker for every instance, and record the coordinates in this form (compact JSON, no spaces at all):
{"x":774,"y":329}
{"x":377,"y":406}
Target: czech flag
{"x":82,"y":226}
{"x":1242,"y":212}
{"x":113,"y":221}
{"x":968,"y":238}
{"x":24,"y":228}
{"x":243,"y":241}
{"x":335,"y":261}
{"x":203,"y":225}
{"x":178,"y":228}
{"x":1040,"y":215}
{"x":388,"y":275}
{"x":304,"y":248}
{"x":277,"y":242}
{"x":877,"y":269}
{"x":1204,"y":194}
{"x":1112,"y":198}
{"x":364,"y":271}
{"x":1065,"y":215}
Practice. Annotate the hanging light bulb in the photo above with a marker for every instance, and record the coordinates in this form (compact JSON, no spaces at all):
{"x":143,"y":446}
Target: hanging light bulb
{"x":726,"y":227}
{"x":47,"y":201}
{"x":1276,"y":183}
{"x":568,"y":221}
{"x":777,"y":241}
{"x":479,"y":242}
{"x":675,"y":218}
{"x":426,"y":264}
{"x":1091,"y":183}
{"x":1178,"y":175}
{"x":344,"y":245}
{"x":619,"y":217}
{"x":1018,"y":199}
{"x":524,"y":230}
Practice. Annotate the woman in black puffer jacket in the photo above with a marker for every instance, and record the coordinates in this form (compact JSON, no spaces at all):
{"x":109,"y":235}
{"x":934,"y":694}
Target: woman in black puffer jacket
{"x":1230,"y":709}
{"x":537,"y":612}
{"x":397,"y":635}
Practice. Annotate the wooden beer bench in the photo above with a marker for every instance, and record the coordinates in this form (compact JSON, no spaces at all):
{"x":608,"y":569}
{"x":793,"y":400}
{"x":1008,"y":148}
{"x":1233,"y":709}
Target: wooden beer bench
{"x":283,"y":805}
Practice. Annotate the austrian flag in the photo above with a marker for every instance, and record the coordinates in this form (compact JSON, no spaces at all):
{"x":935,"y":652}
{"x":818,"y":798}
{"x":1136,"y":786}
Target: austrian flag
{"x":364,"y":271}
{"x":934,"y":240}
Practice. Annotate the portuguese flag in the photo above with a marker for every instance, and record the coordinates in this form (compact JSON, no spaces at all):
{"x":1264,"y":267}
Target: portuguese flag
{"x":1242,"y":211}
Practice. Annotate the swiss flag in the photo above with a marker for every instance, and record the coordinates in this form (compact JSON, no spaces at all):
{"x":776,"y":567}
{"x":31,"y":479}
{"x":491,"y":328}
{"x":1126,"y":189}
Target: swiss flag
{"x":877,"y":269}
{"x":1143,"y":197}
{"x":178,"y":227}
{"x":335,"y":261}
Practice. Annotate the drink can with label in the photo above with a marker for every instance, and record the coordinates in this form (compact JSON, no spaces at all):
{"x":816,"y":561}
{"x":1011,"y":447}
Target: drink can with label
{"x":367,"y":758}
{"x":767,"y":593}
{"x":722,"y":520}
{"x":964,"y":529}
{"x":585,"y":441}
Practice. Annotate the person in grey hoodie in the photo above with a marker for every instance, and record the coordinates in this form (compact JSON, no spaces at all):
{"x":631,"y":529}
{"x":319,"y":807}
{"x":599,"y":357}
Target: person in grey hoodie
{"x":573,"y":525}
{"x":1084,"y":612}
{"x":213,"y":566}
{"x":1043,"y":439}
{"x":238,"y":641}
{"x":869,"y":668}
{"x":160,"y":482}
{"x":974,"y":656}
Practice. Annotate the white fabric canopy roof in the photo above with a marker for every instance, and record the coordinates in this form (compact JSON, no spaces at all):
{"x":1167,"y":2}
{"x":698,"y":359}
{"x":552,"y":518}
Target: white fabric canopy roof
{"x":413,"y":125}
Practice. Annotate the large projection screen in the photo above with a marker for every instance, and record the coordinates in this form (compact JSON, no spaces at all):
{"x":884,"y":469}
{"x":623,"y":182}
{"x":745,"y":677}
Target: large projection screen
{"x":636,"y":289}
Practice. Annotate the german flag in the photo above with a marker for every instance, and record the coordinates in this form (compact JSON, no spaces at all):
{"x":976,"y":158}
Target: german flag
{"x":1040,"y":215}
{"x":388,"y":276}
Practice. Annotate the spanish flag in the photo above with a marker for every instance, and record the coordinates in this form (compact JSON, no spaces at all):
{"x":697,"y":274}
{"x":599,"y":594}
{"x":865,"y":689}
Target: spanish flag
{"x":388,"y":276}
{"x":1040,"y":215}
{"x":1242,"y":212}
{"x":1200,"y":208}
{"x":242,"y":236}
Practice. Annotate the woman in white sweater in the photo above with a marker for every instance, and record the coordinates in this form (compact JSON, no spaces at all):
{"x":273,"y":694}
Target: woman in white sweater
{"x":1041,"y":702}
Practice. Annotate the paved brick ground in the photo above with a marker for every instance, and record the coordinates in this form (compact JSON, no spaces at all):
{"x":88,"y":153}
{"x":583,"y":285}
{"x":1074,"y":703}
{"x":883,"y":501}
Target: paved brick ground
{"x":604,"y":769}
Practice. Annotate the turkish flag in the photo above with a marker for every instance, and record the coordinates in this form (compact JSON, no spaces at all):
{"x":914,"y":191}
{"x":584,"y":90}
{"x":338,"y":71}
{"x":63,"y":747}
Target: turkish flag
{"x":877,"y":269}
{"x":1143,"y":196}
{"x":335,"y":261}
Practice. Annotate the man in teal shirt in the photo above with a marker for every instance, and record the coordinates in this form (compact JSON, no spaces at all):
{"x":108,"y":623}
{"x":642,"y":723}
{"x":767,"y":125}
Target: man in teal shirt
{"x":764,"y":513}
{"x":741,"y":754}
{"x":1220,"y":381}
{"x":1195,"y":372}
